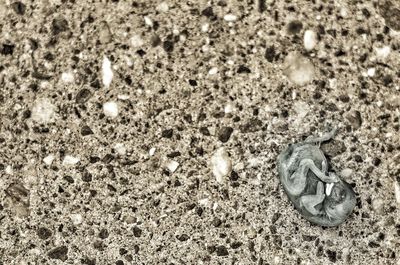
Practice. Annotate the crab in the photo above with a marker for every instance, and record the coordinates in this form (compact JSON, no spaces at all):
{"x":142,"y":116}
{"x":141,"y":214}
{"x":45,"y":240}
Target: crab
{"x":317,"y":193}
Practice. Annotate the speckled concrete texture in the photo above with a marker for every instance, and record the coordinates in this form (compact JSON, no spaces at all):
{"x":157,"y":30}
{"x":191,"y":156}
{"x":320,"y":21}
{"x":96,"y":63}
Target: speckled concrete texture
{"x":147,"y":132}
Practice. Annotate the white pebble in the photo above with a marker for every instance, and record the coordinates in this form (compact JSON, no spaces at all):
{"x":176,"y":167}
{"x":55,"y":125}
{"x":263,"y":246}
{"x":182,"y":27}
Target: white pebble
{"x":123,"y":97}
{"x":148,"y":21}
{"x":110,"y":109}
{"x":152,"y":151}
{"x":136,"y":41}
{"x":107,"y":72}
{"x":371,"y":72}
{"x":397,"y":191}
{"x":377,"y":205}
{"x":213,"y":71}
{"x":172,"y":166}
{"x":205,"y":27}
{"x":383,"y":52}
{"x":70,"y":160}
{"x":162,"y":7}
{"x":67,"y":77}
{"x":310,"y":40}
{"x":347,"y":172}
{"x":230,"y":17}
{"x":298,"y":69}
{"x":228,"y":108}
{"x":43,"y":111}
{"x":221,"y":165}
{"x":9,"y":170}
{"x":120,"y":148}
{"x":76,"y":218}
{"x":301,"y":108}
{"x":48,"y":159}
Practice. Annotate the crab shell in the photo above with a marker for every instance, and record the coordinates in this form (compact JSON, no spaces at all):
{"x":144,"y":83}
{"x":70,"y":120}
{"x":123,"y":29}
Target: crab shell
{"x":336,"y":207}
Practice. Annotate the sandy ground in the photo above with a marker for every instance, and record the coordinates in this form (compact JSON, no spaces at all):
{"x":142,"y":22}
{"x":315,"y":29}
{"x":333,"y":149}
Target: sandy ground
{"x":147,"y":132}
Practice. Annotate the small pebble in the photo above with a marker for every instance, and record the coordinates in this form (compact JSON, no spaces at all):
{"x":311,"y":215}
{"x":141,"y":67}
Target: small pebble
{"x":76,"y":218}
{"x":371,"y":72}
{"x":67,"y":77}
{"x":298,"y":69}
{"x":162,"y":7}
{"x":383,"y":52}
{"x":397,"y":191}
{"x":221,"y":165}
{"x":152,"y":151}
{"x":213,"y":71}
{"x":107,"y":72}
{"x":172,"y":166}
{"x":136,"y":41}
{"x":310,"y":40}
{"x":347,"y":172}
{"x":230,"y":17}
{"x":120,"y":148}
{"x":70,"y":160}
{"x":43,"y":111}
{"x":104,"y":33}
{"x":49,"y":159}
{"x":110,"y":109}
{"x":148,"y":21}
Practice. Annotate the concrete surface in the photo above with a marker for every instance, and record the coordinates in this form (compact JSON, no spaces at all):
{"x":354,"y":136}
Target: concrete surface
{"x":146,"y":132}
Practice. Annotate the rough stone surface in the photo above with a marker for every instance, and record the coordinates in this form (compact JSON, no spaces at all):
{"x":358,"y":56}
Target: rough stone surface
{"x":169,"y":101}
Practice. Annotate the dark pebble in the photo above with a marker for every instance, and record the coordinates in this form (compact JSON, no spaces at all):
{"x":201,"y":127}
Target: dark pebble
{"x":60,"y":253}
{"x":122,"y":251}
{"x":354,"y":117}
{"x":270,"y":54}
{"x":294,"y":27}
{"x":376,"y":162}
{"x":85,"y":130}
{"x":234,"y":176}
{"x":168,"y":46}
{"x":358,"y":159}
{"x":137,"y":232}
{"x":19,"y":7}
{"x":86,"y":177}
{"x":221,"y":251}
{"x":83,"y":96}
{"x":344,"y":98}
{"x":183,"y":237}
{"x":155,"y":41}
{"x":331,"y":255}
{"x":224,"y":134}
{"x":103,"y":234}
{"x":192,"y":82}
{"x":59,"y":25}
{"x":69,"y":179}
{"x":7,"y":49}
{"x":204,"y":131}
{"x":44,"y":233}
{"x":387,"y":80}
{"x":243,"y":70}
{"x":119,"y":262}
{"x":333,"y":148}
{"x":208,"y":12}
{"x":174,"y":154}
{"x":216,"y":222}
{"x":167,"y":133}
{"x":253,"y":125}
{"x":107,"y":158}
{"x":236,"y":244}
{"x":331,"y":107}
